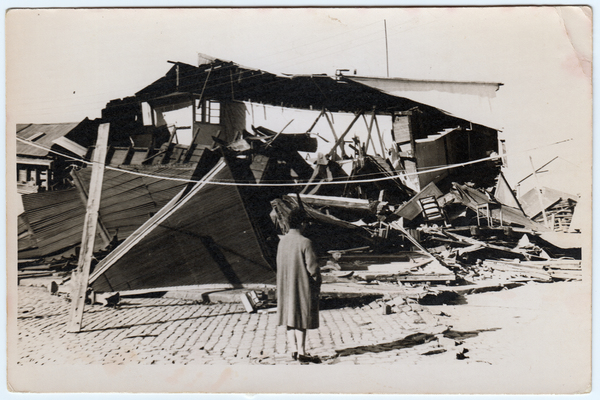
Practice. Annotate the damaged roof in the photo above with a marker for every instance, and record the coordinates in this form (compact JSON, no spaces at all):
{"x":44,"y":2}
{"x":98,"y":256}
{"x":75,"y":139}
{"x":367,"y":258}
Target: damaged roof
{"x":42,"y":134}
{"x":226,"y":80}
{"x":466,"y":100}
{"x":531,"y":200}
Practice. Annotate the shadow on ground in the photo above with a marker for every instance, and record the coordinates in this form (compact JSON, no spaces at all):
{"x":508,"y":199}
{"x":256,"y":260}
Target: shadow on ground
{"x":333,"y":303}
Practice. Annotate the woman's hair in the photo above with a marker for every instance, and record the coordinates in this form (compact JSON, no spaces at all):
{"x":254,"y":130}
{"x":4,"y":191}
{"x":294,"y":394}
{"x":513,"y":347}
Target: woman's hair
{"x":296,"y":218}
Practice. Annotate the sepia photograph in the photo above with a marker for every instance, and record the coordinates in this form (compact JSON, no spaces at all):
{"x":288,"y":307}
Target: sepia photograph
{"x":299,"y":200}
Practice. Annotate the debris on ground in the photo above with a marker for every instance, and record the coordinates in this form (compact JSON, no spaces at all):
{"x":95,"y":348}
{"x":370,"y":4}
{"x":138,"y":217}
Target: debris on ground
{"x":424,"y":216}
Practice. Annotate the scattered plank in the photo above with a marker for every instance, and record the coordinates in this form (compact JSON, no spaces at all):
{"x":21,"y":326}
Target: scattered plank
{"x":467,"y":240}
{"x":520,"y":270}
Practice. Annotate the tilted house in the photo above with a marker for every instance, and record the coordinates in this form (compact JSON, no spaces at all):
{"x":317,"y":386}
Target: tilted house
{"x":36,"y":164}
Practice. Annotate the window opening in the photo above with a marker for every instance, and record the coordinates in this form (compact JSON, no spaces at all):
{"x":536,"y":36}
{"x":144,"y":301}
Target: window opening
{"x":209,"y":111}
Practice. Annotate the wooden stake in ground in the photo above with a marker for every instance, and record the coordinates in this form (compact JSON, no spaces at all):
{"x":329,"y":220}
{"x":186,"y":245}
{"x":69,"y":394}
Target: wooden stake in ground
{"x":82,"y":274}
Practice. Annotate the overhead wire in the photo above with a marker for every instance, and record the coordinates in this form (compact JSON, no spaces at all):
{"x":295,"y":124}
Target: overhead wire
{"x":343,"y":180}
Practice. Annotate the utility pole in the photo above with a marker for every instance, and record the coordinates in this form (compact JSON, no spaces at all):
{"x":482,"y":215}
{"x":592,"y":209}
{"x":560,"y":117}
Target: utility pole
{"x":387,"y":61}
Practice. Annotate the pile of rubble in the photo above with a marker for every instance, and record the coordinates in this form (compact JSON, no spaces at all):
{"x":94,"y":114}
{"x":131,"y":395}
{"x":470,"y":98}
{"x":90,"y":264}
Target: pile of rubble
{"x":431,"y":209}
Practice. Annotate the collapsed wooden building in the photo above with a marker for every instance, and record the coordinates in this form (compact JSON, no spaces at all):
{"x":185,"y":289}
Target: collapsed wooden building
{"x":196,"y":190}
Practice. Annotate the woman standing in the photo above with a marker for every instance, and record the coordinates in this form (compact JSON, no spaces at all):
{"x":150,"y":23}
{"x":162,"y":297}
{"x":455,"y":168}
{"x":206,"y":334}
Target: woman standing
{"x":298,"y":286}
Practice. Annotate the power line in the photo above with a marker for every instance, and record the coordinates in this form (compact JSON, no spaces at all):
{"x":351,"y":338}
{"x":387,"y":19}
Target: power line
{"x":339,"y":181}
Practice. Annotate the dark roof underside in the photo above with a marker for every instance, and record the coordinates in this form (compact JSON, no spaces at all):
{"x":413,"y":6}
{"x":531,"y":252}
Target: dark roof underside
{"x":228,"y":81}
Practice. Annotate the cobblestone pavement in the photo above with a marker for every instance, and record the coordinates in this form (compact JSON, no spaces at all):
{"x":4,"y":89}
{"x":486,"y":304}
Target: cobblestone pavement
{"x":530,"y":339}
{"x":174,"y":331}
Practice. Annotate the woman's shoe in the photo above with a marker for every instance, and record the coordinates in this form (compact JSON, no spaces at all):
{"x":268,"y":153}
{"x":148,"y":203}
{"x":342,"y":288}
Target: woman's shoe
{"x":295,"y":355}
{"x":308,"y":358}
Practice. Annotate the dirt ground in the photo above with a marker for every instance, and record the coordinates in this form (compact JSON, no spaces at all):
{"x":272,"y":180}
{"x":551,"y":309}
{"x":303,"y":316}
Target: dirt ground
{"x":538,"y":336}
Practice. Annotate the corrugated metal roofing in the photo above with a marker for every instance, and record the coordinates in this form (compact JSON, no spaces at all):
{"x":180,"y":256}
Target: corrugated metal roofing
{"x":229,"y":81}
{"x":49,"y":131}
{"x":206,"y":236}
{"x":467,"y":100}
{"x":56,"y":217}
{"x":130,"y":200}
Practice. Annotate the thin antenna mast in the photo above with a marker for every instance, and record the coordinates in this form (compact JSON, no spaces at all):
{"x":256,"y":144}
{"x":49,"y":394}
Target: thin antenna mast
{"x":387,"y":61}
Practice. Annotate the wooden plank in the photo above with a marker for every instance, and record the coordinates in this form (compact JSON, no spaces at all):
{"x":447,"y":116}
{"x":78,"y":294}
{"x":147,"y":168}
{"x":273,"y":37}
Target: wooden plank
{"x":85,"y":199}
{"x":206,"y":288}
{"x":517,"y":269}
{"x":315,"y":123}
{"x":334,"y":201}
{"x":405,"y":277}
{"x":31,"y":274}
{"x":539,"y":192}
{"x":369,"y":131}
{"x":469,"y":240}
{"x":89,"y":231}
{"x":330,"y":122}
{"x":36,"y":268}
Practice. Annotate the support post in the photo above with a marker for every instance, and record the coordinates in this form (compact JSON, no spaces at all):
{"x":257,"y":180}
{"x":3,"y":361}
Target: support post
{"x":316,"y":120}
{"x":83,"y":193}
{"x":380,"y":137}
{"x":369,"y":131}
{"x":331,"y":126}
{"x":82,"y":273}
{"x":340,"y":140}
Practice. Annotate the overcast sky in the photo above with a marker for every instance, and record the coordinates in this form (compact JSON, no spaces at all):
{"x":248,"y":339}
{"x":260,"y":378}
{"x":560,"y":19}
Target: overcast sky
{"x":65,"y":65}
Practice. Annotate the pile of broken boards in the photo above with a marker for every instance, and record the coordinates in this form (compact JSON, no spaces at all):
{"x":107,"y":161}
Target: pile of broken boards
{"x":373,"y":234}
{"x":499,"y":257}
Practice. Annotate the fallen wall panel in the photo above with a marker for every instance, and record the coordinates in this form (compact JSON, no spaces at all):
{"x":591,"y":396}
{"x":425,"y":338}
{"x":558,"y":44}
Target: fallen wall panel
{"x":56,"y":220}
{"x":128,"y":200}
{"x":204,"y":235}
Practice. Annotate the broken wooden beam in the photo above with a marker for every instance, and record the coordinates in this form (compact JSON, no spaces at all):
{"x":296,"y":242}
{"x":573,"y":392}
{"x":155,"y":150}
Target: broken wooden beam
{"x":340,"y":202}
{"x":519,"y":270}
{"x":471,"y":241}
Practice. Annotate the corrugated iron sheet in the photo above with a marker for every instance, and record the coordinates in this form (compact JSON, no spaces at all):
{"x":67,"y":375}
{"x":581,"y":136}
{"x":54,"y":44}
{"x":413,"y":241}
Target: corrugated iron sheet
{"x":51,"y":132}
{"x":468,"y":100}
{"x":129,"y":200}
{"x":531,"y":202}
{"x":207,"y":236}
{"x":26,"y":241}
{"x":56,"y":218}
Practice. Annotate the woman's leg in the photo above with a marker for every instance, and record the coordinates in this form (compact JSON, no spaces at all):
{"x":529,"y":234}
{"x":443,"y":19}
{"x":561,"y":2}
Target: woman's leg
{"x":301,"y":340}
{"x":291,"y":338}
